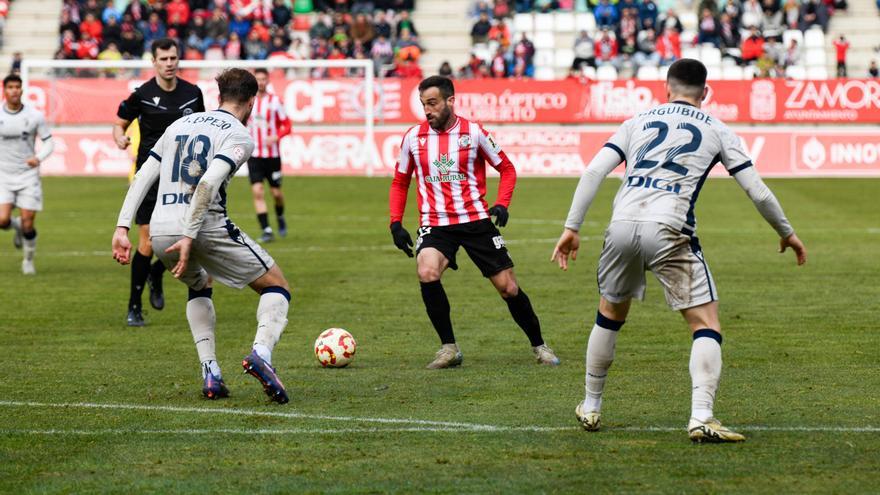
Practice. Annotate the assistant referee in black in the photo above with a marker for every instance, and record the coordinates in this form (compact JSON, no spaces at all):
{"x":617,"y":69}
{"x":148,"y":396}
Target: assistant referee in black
{"x":155,"y":104}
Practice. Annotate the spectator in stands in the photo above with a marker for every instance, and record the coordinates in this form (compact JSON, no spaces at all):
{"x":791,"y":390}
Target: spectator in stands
{"x":154,"y":30}
{"x":526,"y":5}
{"x":629,"y":24}
{"x":178,"y":15}
{"x":813,"y":13}
{"x":792,"y":54}
{"x":772,"y":24}
{"x":382,"y":52}
{"x":606,"y":47}
{"x":647,"y":49}
{"x":648,"y":10}
{"x":445,"y":70}
{"x":873,"y":71}
{"x":670,"y":20}
{"x":752,"y":15}
{"x":501,"y":9}
{"x":481,"y":7}
{"x":729,"y":38}
{"x":216,"y":29}
{"x":404,"y":22}
{"x":262,"y":31}
{"x":480,"y":29}
{"x":92,"y":26}
{"x":232,"y":50}
{"x":733,"y":8}
{"x":111,"y":32}
{"x":708,"y":28}
{"x":584,"y":52}
{"x":198,"y":35}
{"x":71,"y":8}
{"x":753,"y":46}
{"x":139,"y":10}
{"x":669,"y":46}
{"x":67,"y":24}
{"x":606,"y":14}
{"x":625,"y":63}
{"x":91,"y":7}
{"x":281,"y":13}
{"x":406,"y":47}
{"x":500,"y":32}
{"x":132,"y":44}
{"x":88,"y":47}
{"x":407,"y":67}
{"x":498,"y":67}
{"x":524,"y":57}
{"x":841,"y":45}
{"x":381,"y":25}
{"x":791,"y":13}
{"x":322,"y":28}
{"x":111,"y":52}
{"x":362,"y":30}
{"x":15,"y":68}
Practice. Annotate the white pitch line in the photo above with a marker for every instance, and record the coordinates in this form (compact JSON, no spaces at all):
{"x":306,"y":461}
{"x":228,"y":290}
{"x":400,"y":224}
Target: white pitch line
{"x":426,"y":425}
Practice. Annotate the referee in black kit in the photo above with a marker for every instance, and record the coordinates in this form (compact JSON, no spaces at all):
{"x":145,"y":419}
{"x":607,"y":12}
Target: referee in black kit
{"x":156,"y":104}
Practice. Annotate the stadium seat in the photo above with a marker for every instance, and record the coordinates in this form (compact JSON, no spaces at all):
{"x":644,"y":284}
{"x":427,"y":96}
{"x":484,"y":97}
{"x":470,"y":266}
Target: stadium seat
{"x":563,"y":22}
{"x":544,"y":39}
{"x":688,"y":20}
{"x":688,"y":38}
{"x":606,"y":73}
{"x":815,"y":58}
{"x":727,"y":62}
{"x":545,"y":73}
{"x":648,"y":73}
{"x":710,"y":55}
{"x":732,"y":73}
{"x":791,"y":34}
{"x":524,"y":23}
{"x":564,"y":57}
{"x":589,"y":72}
{"x":663,"y":70}
{"x":797,"y":72}
{"x":814,"y":38}
{"x":585,"y":22}
{"x":481,"y":51}
{"x":545,"y":57}
{"x":817,"y":73}
{"x":543,"y":22}
{"x":693,"y":53}
{"x":713,"y":72}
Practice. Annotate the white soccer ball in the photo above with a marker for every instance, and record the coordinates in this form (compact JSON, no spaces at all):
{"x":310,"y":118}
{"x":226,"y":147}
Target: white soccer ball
{"x":335,"y":348}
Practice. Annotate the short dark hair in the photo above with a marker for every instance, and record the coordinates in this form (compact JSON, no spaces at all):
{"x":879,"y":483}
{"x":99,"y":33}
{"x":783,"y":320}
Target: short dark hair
{"x":236,"y":85}
{"x":11,"y":78}
{"x":687,"y":72}
{"x":261,"y":70}
{"x":444,"y":84}
{"x":163,"y":44}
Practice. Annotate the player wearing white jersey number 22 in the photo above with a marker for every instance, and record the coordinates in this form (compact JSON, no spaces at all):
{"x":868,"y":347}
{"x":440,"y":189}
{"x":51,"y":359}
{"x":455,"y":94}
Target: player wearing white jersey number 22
{"x":669,"y":151}
{"x":194,"y":161}
{"x":20,"y":185}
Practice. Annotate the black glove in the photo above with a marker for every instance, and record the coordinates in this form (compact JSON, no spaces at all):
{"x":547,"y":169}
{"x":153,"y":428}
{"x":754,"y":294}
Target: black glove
{"x":500,"y":214}
{"x":401,"y":238}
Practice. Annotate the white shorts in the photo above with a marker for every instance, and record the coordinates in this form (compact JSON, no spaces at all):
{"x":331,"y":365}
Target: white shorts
{"x":226,"y":254}
{"x":632,"y":248}
{"x":26,"y":197}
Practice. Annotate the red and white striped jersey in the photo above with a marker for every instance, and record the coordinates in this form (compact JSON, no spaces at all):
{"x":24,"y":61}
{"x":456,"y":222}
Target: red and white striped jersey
{"x":267,"y":119}
{"x":450,"y":170}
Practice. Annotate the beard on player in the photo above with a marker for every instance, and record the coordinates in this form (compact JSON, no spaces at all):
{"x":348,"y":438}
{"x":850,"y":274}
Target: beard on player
{"x":438,"y":119}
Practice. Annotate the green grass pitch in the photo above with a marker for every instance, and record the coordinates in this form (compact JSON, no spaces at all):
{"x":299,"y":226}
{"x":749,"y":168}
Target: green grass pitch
{"x":800,"y":379}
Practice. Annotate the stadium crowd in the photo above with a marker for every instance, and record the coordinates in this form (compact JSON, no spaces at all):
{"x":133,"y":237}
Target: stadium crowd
{"x":380,"y":30}
{"x":633,"y":33}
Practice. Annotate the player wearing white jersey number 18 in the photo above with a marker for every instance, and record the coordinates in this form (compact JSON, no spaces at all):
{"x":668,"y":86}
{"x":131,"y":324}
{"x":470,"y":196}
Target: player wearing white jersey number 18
{"x":194,"y":161}
{"x":669,"y":151}
{"x":20,"y":185}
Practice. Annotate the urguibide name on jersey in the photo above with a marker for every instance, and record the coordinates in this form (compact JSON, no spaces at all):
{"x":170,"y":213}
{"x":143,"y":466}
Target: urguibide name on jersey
{"x":209,"y":120}
{"x":681,"y":109}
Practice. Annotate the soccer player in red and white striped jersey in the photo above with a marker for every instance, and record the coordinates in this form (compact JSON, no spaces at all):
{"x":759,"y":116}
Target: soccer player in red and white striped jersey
{"x":448,"y":156}
{"x":268,"y":124}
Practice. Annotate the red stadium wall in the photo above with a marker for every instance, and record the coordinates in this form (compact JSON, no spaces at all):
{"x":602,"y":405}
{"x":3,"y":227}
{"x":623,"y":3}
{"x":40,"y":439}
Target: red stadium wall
{"x":511,"y":109}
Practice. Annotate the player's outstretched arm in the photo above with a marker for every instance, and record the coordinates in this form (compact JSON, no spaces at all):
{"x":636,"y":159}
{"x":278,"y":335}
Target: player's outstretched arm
{"x":769,"y":208}
{"x":796,"y":245}
{"x":568,"y":245}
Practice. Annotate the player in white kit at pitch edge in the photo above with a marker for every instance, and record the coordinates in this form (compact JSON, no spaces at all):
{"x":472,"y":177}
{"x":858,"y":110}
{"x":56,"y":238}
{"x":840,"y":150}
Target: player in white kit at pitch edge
{"x":20,"y":185}
{"x":194,"y":161}
{"x":669,"y":151}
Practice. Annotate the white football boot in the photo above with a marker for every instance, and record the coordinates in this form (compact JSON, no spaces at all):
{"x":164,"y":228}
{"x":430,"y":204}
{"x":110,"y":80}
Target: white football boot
{"x":589,"y":420}
{"x":448,"y":356}
{"x":711,"y":431}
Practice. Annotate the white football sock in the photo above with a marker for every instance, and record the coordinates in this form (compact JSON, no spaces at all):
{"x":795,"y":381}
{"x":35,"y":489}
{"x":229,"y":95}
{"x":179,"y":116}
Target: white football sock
{"x":705,"y":367}
{"x":15,"y":223}
{"x":600,"y":355}
{"x":213,"y":367}
{"x":201,"y":317}
{"x":271,"y":320}
{"x":30,"y":248}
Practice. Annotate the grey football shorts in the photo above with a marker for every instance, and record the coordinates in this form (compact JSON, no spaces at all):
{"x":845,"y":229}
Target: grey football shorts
{"x":676,"y":259}
{"x":226,"y":254}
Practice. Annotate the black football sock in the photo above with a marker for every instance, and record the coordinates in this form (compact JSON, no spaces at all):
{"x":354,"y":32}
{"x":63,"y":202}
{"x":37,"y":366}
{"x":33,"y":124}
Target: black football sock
{"x":437,"y":306}
{"x":279,"y":212}
{"x":140,"y":270}
{"x":263,"y":218}
{"x":521,"y":309}
{"x":156,"y":271}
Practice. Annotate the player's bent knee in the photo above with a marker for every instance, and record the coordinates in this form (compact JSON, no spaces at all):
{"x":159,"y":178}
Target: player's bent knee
{"x":428,"y":274}
{"x":273,"y":278}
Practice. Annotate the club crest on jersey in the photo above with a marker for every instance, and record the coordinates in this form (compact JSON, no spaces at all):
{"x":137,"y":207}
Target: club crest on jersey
{"x":464,"y":142}
{"x":187,"y":111}
{"x":444,"y":165}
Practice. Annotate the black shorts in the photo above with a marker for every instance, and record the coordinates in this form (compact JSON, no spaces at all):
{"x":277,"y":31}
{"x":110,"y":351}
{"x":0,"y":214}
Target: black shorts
{"x":260,"y":169}
{"x":480,"y":239}
{"x":145,"y":211}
